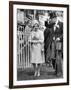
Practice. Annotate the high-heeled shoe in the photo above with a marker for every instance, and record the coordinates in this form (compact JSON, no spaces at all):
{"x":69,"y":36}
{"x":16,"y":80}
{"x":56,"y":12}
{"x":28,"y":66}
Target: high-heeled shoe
{"x":35,"y":74}
{"x":38,"y":74}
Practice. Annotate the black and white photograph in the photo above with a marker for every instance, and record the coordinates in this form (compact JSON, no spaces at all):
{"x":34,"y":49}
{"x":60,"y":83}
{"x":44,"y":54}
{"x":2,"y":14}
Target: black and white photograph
{"x":39,"y":44}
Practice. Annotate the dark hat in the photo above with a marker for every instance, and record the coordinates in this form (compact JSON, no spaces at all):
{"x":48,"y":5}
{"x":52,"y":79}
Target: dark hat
{"x":53,"y":15}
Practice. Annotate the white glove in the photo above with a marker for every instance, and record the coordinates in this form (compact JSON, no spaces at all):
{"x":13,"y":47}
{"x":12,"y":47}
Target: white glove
{"x":58,"y":39}
{"x":57,"y":26}
{"x":53,"y":38}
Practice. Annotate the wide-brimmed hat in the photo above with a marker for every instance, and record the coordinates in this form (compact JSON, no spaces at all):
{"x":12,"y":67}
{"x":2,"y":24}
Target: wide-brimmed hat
{"x":35,"y":22}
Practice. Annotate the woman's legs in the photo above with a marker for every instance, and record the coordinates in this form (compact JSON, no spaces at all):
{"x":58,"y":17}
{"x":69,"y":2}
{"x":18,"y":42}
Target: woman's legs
{"x":35,"y":69}
{"x":38,"y":69}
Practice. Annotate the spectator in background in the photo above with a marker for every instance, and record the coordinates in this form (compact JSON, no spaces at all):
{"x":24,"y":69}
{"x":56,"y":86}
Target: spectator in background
{"x":28,"y":29}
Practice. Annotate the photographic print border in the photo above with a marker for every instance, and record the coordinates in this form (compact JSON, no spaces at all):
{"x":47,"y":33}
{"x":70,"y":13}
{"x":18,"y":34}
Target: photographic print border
{"x":11,"y":4}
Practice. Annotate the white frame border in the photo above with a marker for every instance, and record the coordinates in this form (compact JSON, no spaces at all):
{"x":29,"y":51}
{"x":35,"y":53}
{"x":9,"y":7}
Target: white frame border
{"x":32,"y":82}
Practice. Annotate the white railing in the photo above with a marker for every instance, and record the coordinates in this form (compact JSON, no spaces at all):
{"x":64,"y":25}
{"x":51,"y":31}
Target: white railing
{"x":23,"y":53}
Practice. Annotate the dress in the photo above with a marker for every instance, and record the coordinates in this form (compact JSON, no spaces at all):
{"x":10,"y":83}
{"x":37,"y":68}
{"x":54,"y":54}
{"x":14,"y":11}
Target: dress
{"x":37,"y":40}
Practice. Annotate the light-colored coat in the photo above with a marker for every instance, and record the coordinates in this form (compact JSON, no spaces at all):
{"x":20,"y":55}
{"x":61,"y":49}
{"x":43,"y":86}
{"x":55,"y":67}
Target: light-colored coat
{"x":37,"y":40}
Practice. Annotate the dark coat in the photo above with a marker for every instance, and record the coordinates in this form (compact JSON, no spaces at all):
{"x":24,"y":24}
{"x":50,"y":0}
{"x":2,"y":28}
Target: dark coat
{"x":49,"y":33}
{"x":59,"y":31}
{"x":47,"y":39}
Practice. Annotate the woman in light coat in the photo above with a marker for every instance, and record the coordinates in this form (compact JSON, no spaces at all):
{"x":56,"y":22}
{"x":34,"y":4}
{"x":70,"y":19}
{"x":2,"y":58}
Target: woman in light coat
{"x":36,"y":39}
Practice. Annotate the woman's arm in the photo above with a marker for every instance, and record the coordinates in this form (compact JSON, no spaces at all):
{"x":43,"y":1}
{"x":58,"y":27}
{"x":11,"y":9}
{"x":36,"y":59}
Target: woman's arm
{"x":41,"y":39}
{"x":32,"y":40}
